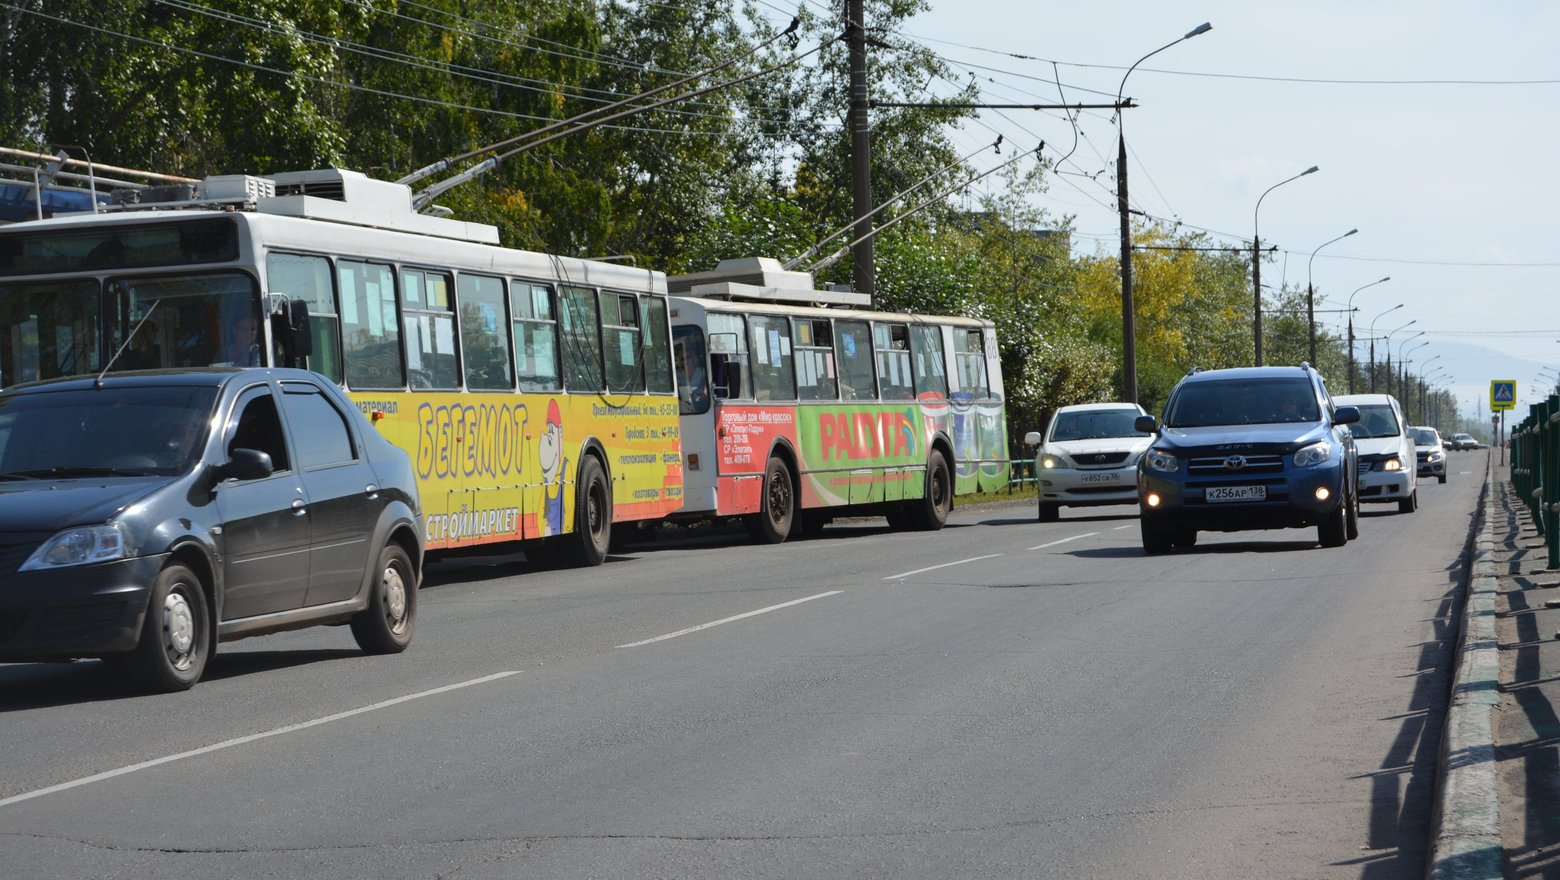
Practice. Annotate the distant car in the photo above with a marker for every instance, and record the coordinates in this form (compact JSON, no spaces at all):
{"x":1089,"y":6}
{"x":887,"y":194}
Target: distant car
{"x":147,"y":516}
{"x":1388,"y":470}
{"x":1429,"y":454}
{"x":1462,"y":441}
{"x":1088,"y":456}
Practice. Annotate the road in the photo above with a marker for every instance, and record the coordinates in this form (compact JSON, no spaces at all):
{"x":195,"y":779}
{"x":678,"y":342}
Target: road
{"x":1001,"y":699}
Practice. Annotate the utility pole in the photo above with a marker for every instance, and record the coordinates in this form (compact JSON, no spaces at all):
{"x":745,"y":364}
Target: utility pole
{"x":860,"y":151}
{"x":1256,"y":284}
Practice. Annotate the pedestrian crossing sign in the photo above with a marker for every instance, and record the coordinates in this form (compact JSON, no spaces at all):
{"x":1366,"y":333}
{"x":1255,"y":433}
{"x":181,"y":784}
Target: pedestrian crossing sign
{"x":1503,"y":394}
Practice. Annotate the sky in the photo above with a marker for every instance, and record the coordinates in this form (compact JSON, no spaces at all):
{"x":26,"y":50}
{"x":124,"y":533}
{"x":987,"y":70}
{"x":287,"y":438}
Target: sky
{"x":1433,"y":125}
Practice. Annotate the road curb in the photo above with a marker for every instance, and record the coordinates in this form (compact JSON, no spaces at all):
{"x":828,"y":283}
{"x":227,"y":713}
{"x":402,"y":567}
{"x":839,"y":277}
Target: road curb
{"x":1466,"y":844}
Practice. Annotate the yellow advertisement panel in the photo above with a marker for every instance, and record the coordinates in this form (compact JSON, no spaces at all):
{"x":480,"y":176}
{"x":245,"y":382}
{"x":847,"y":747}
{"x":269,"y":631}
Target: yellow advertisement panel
{"x":503,"y":467}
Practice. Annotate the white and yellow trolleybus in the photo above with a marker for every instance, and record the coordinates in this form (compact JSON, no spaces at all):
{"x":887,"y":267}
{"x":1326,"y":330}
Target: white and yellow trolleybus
{"x":799,"y":405}
{"x":533,"y":393}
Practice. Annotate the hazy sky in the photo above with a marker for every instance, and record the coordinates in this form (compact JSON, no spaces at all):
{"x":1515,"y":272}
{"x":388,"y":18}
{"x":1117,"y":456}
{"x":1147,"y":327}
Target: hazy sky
{"x":1434,"y":125}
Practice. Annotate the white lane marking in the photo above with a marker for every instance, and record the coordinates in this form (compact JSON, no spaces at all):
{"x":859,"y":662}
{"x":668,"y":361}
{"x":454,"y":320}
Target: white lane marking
{"x":895,"y":577}
{"x":1119,"y":528}
{"x":1065,"y":540}
{"x":694,"y":629}
{"x":144,"y":765}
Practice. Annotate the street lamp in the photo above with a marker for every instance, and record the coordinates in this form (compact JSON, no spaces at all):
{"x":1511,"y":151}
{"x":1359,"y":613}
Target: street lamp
{"x":1128,"y":318}
{"x":1389,"y":349}
{"x":1310,"y":292}
{"x":1403,"y":352}
{"x":1373,"y":344}
{"x":1351,"y":329}
{"x":1256,"y":261}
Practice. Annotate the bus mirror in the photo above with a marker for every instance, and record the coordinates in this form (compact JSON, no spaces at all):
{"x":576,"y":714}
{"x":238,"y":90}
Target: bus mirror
{"x":298,"y":321}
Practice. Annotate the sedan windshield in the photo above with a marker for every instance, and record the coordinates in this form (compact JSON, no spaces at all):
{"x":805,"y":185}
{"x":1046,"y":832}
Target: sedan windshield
{"x":103,"y":432}
{"x":1426,"y":437}
{"x":1376,"y":420}
{"x":1095,"y":424}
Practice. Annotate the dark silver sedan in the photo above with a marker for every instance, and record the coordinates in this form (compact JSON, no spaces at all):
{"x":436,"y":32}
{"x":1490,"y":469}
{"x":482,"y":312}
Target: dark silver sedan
{"x":147,"y":516}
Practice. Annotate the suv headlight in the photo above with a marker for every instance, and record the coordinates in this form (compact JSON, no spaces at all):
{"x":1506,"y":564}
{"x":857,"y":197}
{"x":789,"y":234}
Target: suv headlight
{"x":1392,"y":464}
{"x":82,"y":546}
{"x":1316,"y":453}
{"x":1160,"y":460}
{"x":1052,"y":461}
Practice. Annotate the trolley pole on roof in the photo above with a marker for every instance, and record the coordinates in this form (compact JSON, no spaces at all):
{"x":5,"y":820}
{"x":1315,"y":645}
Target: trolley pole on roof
{"x":860,"y":151}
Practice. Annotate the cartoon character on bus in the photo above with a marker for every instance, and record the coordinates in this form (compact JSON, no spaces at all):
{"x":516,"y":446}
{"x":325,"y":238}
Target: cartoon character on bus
{"x":552,"y":462}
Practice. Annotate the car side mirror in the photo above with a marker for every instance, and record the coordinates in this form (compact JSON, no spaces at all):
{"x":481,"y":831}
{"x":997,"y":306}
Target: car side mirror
{"x":1146,"y":425}
{"x":246,"y":464}
{"x":1346,"y":415}
{"x":1032,"y":438}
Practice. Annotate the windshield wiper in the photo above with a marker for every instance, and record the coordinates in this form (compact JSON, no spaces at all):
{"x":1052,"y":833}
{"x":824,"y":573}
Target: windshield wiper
{"x":76,"y":472}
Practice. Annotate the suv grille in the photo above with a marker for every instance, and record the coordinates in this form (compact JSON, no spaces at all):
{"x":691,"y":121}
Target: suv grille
{"x":1220,"y":466}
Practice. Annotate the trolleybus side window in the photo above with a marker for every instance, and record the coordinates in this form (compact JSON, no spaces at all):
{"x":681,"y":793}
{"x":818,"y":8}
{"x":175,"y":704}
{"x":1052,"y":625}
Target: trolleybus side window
{"x":48,"y":329}
{"x":370,"y":332}
{"x":853,"y":349}
{"x":581,"y":340}
{"x":926,"y":354}
{"x":536,"y":336}
{"x":430,"y":330}
{"x":892,"y":342}
{"x":728,"y":357}
{"x":693,"y":389}
{"x":658,"y":351}
{"x":308,"y":279}
{"x":815,"y":359}
{"x":622,"y":342}
{"x":484,"y":337}
{"x":971,"y":357}
{"x":774,"y":373}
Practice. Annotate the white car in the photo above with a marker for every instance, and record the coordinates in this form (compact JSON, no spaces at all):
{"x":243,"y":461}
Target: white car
{"x":1389,"y":468}
{"x":1432,"y":455}
{"x":1088,"y":456}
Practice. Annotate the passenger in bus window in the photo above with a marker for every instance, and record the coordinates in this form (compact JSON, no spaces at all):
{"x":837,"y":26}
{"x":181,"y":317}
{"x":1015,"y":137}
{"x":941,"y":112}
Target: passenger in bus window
{"x":241,"y":349}
{"x":694,"y":389}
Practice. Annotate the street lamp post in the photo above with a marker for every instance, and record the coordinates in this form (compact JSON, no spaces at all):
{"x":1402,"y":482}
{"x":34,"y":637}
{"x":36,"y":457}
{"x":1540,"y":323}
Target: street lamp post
{"x":1128,"y":317}
{"x":1310,"y":293}
{"x":1420,"y":384}
{"x":1351,"y":329}
{"x":1389,"y":349}
{"x":1403,"y":352}
{"x":1373,"y":344}
{"x":1256,"y":261}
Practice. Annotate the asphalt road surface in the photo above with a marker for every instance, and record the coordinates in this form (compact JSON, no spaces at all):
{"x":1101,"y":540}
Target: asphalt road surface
{"x":1000,"y":699}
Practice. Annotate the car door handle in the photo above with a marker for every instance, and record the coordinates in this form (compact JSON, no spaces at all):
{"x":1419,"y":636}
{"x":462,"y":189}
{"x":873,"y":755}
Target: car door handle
{"x":372,"y":491}
{"x":299,"y":508}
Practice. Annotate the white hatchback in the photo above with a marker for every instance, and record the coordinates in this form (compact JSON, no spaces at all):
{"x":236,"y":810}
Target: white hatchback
{"x":1388,"y":469}
{"x":1088,"y":456}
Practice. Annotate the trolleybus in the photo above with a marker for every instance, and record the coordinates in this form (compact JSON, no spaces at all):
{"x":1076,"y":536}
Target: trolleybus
{"x":797,"y":407}
{"x":533,"y":393}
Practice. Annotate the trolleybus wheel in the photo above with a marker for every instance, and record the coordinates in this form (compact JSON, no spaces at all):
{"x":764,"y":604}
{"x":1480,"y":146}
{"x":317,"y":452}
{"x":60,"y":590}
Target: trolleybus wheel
{"x":932,"y":510}
{"x":777,"y":508}
{"x":592,"y":517}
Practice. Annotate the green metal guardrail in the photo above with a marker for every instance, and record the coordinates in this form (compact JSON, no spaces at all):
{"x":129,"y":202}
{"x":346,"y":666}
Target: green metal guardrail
{"x":1535,"y":470}
{"x":1021,"y":472}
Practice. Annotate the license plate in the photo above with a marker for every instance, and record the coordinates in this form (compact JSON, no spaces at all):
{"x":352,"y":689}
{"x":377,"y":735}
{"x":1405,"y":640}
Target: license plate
{"x":1102,"y":478}
{"x":1236,"y":493}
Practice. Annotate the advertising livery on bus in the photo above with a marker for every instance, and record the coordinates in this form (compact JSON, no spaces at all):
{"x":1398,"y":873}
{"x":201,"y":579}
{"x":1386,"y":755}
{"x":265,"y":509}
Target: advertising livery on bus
{"x":533,"y":393}
{"x":799,"y":405}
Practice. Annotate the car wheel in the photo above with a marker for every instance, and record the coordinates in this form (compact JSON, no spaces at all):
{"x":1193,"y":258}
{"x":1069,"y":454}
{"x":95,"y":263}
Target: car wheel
{"x":1409,"y":504}
{"x":1184,"y":537}
{"x":1334,"y":531}
{"x":176,"y":635}
{"x":931,"y":512}
{"x":1155,"y":539}
{"x":1440,"y":478}
{"x":592,"y":517}
{"x":772,"y":523}
{"x":385,"y":626}
{"x":1050,"y":512}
